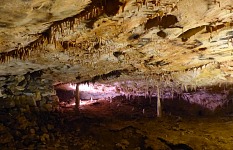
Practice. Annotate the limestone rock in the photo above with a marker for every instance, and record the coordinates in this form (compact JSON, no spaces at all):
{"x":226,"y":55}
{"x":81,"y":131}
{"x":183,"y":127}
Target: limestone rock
{"x":7,"y":102}
{"x":1,"y":93}
{"x":149,"y":39}
{"x":37,"y":96}
{"x":123,"y":144}
{"x":19,"y":78}
{"x":20,"y":88}
{"x":47,"y":107}
{"x":3,"y":78}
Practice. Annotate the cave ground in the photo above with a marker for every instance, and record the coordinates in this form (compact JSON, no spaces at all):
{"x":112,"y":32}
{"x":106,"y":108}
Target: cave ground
{"x":132,"y":125}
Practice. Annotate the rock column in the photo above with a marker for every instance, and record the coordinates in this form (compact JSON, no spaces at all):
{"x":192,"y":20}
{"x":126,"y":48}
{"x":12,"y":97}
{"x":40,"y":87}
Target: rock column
{"x":159,"y":114}
{"x":77,"y":97}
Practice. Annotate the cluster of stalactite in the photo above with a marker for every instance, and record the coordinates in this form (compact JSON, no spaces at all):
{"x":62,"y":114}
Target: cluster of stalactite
{"x":165,"y":81}
{"x":88,"y":57}
{"x":108,"y":76}
{"x":89,"y":45}
{"x":54,"y":34}
{"x":60,"y":29}
{"x":151,"y":81}
{"x":23,"y":52}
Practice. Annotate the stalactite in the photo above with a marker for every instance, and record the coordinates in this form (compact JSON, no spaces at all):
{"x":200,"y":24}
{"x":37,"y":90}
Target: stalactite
{"x":158,"y":103}
{"x":182,"y":87}
{"x":161,"y":93}
{"x":186,"y":88}
{"x":150,"y":96}
{"x":57,"y":31}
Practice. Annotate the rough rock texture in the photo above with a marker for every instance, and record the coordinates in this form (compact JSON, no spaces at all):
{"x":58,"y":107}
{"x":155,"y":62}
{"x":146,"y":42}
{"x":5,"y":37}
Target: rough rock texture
{"x":72,"y":39}
{"x":182,"y":47}
{"x":141,"y":44}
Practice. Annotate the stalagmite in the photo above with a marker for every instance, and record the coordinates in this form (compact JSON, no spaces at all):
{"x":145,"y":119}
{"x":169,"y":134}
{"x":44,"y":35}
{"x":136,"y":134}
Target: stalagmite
{"x":77,"y":97}
{"x":158,"y":103}
{"x":145,"y":94}
{"x":172,"y":92}
{"x":150,"y":95}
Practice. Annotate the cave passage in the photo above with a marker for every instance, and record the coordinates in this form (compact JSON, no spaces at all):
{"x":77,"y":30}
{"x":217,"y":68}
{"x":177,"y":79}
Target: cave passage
{"x":110,"y":118}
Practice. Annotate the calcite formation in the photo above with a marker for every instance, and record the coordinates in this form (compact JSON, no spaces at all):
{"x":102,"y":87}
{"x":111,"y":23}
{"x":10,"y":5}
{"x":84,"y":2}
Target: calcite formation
{"x":176,"y":45}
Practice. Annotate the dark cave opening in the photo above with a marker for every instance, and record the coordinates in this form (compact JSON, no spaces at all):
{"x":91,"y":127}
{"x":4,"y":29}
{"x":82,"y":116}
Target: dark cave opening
{"x":197,"y":103}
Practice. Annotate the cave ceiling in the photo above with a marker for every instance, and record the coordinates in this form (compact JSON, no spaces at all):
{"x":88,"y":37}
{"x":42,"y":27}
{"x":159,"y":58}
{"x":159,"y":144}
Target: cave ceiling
{"x":186,"y":43}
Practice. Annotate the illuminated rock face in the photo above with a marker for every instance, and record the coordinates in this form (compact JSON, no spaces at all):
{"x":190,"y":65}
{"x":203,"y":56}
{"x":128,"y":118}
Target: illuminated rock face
{"x":96,"y":91}
{"x":208,"y":100}
{"x":133,"y":45}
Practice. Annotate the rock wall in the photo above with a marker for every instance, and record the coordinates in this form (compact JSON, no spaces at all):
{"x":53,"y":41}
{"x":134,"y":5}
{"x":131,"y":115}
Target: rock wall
{"x":29,"y":90}
{"x":207,"y":99}
{"x":28,"y":116}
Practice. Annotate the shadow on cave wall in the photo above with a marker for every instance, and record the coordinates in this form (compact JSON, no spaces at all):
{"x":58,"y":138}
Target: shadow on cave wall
{"x":182,"y":107}
{"x":177,"y":107}
{"x":227,"y":108}
{"x":65,"y":95}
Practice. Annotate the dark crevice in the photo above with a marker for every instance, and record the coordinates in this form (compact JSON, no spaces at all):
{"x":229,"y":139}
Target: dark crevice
{"x":202,"y":49}
{"x":134,"y":36}
{"x":157,"y":63}
{"x":162,"y":34}
{"x":161,"y":63}
{"x":78,"y":77}
{"x":149,"y":60}
{"x":111,"y":7}
{"x":117,"y":54}
{"x":90,"y":23}
{"x":210,"y":28}
{"x":164,"y":22}
{"x":152,"y":23}
{"x":35,"y":74}
{"x":168,"y":21}
{"x":107,"y":76}
{"x":97,"y":46}
{"x":112,"y":74}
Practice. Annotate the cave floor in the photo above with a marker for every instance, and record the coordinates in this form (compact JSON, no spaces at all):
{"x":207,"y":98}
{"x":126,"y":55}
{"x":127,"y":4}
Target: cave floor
{"x":120,"y":125}
{"x":124,"y":125}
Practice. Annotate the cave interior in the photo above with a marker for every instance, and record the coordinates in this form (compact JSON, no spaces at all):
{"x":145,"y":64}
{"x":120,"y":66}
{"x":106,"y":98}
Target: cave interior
{"x":116,"y":74}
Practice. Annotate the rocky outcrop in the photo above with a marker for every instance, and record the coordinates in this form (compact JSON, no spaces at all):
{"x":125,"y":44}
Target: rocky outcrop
{"x":29,"y":90}
{"x":27,"y":106}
